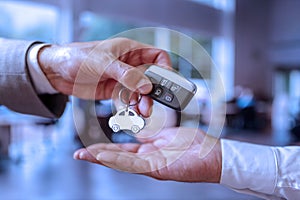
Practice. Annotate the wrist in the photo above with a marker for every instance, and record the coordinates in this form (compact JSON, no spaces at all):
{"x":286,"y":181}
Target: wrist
{"x":211,"y":155}
{"x":45,"y":58}
{"x":217,"y":163}
{"x":59,"y":62}
{"x":39,"y":79}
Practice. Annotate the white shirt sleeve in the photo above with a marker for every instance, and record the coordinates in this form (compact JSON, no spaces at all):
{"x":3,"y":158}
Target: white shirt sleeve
{"x":264,"y":171}
{"x":39,"y":79}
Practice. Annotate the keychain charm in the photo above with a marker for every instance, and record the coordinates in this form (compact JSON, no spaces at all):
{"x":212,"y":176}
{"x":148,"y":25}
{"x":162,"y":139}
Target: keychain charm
{"x":126,"y":118}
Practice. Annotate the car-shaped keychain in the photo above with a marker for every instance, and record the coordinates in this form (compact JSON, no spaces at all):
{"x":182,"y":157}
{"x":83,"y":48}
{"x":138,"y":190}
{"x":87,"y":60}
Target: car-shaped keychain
{"x":126,"y":119}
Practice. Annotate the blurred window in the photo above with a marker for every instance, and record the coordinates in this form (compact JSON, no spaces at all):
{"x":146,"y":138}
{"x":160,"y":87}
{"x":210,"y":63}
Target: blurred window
{"x":286,"y":82}
{"x":96,"y":27}
{"x":218,"y":4}
{"x":28,"y":20}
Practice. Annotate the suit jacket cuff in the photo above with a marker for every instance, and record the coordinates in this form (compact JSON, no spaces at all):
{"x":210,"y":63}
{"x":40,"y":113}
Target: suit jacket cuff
{"x":16,"y":87}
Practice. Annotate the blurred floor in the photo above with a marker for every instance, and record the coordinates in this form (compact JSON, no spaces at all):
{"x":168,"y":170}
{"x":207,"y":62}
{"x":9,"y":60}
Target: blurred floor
{"x":42,"y":167}
{"x":64,"y":178}
{"x":36,"y":172}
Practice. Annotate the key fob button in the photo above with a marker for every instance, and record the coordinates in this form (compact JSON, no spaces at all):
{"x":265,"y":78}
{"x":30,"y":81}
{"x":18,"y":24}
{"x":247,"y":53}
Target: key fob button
{"x":175,"y":88}
{"x":170,"y":88}
{"x":169,"y":97}
{"x":158,"y":92}
{"x":165,"y":83}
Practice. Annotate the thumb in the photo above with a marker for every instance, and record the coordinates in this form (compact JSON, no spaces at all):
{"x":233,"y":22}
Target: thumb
{"x":130,"y":77}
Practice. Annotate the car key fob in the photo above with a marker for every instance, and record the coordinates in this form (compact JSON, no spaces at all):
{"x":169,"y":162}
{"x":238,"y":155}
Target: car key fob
{"x":170,"y":88}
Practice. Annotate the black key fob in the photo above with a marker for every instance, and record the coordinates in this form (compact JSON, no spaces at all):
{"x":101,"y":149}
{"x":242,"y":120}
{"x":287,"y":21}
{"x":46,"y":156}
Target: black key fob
{"x":170,"y":88}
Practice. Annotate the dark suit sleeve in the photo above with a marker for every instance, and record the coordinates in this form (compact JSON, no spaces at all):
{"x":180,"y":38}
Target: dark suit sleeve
{"x":16,"y":88}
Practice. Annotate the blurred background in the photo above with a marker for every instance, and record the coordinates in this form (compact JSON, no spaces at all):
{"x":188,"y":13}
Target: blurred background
{"x":254,"y":44}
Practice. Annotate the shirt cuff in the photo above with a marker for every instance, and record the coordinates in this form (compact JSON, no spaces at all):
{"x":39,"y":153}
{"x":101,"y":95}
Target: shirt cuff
{"x":248,"y":167}
{"x":40,"y":81}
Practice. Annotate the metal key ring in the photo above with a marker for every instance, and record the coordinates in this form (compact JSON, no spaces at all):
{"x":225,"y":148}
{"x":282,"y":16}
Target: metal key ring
{"x":128,"y":102}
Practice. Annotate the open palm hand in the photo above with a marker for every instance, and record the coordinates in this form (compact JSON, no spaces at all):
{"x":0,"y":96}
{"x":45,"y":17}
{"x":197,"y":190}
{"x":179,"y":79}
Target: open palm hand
{"x":180,"y":154}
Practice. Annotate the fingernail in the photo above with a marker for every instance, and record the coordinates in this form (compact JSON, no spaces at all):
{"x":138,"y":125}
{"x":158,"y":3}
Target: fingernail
{"x":104,"y":157}
{"x":76,"y":156}
{"x":81,"y":155}
{"x":145,"y":86}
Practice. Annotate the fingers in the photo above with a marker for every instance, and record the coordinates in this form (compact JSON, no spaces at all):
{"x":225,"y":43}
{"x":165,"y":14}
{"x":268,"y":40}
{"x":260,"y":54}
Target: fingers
{"x":118,"y":156}
{"x":157,"y":56}
{"x":96,"y":148}
{"x":145,"y":106}
{"x":134,"y":79}
{"x":130,"y":77}
{"x":146,"y":55}
{"x":125,"y":71}
{"x":133,"y":162}
{"x":83,"y":154}
{"x":124,"y":161}
{"x":99,"y":91}
{"x":128,"y":162}
{"x":92,"y":151}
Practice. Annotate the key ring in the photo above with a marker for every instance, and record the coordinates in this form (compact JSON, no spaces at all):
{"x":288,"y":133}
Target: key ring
{"x":128,"y":97}
{"x":126,"y":118}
